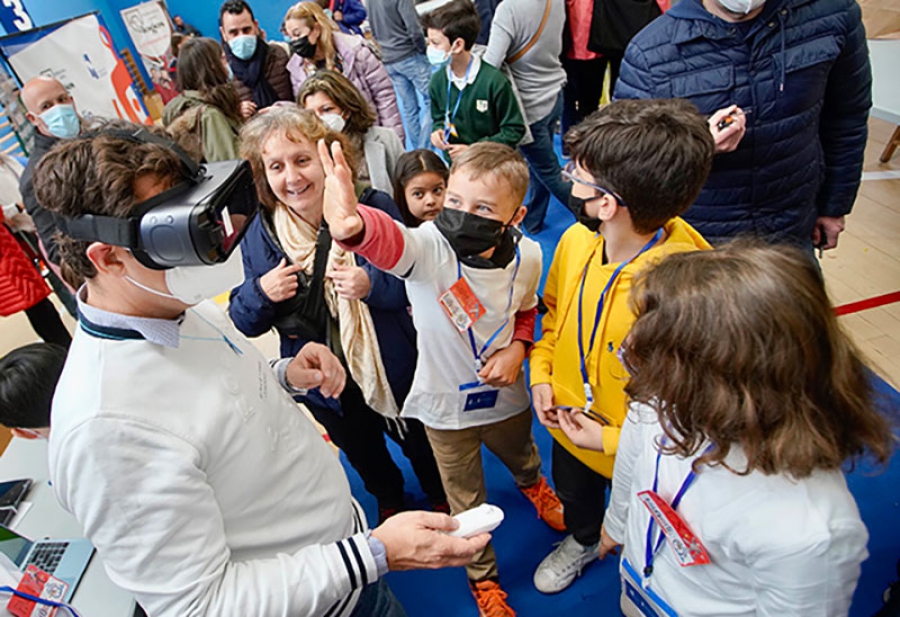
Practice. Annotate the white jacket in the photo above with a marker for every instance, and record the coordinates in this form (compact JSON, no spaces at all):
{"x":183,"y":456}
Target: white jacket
{"x":200,"y":482}
{"x":777,"y":546}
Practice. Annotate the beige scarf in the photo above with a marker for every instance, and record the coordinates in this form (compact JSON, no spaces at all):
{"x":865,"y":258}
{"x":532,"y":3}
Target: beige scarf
{"x":358,"y":337}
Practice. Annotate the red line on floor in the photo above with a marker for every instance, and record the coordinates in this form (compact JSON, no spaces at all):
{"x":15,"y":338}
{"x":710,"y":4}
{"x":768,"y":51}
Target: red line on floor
{"x":869,"y":303}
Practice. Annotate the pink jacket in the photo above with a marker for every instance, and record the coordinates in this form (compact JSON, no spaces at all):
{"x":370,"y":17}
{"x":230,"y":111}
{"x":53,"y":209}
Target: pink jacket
{"x":366,"y":72}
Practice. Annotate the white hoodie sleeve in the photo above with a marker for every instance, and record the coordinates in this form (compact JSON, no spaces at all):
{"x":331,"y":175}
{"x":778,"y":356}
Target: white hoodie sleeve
{"x":630,"y":447}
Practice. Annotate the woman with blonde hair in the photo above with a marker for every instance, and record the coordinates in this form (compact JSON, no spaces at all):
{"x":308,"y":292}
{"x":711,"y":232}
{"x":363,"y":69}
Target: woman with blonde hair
{"x":748,"y":400}
{"x":342,"y":108}
{"x":306,"y":287}
{"x":317,"y":44}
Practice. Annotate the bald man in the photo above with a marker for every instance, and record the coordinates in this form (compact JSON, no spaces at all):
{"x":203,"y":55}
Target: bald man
{"x":52,"y":112}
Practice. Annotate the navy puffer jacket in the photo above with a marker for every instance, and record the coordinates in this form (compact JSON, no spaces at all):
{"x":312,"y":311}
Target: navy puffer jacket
{"x":801,"y":72}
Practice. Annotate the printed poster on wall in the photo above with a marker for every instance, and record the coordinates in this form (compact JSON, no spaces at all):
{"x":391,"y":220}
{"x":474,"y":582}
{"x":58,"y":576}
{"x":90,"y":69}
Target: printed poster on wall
{"x":14,"y":16}
{"x":79,"y":53}
{"x":151,"y":30}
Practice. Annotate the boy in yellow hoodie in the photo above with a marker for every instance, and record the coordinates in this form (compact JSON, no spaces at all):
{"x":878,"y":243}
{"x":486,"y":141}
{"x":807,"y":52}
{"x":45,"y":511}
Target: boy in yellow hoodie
{"x":636,"y":166}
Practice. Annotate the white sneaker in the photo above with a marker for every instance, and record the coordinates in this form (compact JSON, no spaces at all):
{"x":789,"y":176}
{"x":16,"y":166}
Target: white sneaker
{"x":563,"y":565}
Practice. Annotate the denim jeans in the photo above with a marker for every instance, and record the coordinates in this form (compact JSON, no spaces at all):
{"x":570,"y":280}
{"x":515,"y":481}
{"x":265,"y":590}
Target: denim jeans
{"x":543,"y":167}
{"x":411,"y":77}
{"x":377,"y":600}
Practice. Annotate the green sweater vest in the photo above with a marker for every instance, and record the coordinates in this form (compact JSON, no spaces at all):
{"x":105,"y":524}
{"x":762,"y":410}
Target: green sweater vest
{"x":487,"y":112}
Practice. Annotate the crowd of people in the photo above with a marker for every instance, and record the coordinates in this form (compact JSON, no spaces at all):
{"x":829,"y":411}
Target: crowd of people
{"x":710,"y":390}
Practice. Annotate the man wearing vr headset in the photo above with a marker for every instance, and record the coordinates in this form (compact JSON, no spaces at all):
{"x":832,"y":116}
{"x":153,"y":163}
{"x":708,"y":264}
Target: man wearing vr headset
{"x":186,"y":462}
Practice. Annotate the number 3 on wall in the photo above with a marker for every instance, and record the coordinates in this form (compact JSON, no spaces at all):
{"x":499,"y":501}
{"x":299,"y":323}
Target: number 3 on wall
{"x":22,"y":20}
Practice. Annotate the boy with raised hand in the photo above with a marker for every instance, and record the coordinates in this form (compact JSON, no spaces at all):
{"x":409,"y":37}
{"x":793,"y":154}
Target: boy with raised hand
{"x":471,"y":101}
{"x":472,"y":281}
{"x":636,"y":166}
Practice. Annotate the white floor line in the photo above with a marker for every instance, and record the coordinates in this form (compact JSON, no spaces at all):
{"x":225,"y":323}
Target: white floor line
{"x":881,"y":175}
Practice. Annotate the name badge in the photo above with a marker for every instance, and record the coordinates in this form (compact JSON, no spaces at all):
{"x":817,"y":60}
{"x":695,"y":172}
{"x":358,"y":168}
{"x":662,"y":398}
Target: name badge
{"x":462,"y":305}
{"x":688,"y":549}
{"x":642,"y":603}
{"x":481,"y":400}
{"x":645,"y":600}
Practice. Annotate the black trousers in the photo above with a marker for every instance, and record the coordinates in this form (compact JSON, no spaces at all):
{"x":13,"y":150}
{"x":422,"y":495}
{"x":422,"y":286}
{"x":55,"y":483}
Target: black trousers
{"x":47,"y":324}
{"x":584,"y":87}
{"x":359,"y":433}
{"x":582,"y":492}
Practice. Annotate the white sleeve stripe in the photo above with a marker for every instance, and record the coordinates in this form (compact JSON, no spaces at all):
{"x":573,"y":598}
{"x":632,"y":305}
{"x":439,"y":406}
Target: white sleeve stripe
{"x":347,"y":564}
{"x":340,"y":606}
{"x":359,"y":560}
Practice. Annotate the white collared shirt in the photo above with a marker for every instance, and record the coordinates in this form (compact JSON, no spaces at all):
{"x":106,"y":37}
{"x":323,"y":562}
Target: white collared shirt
{"x":462,"y":82}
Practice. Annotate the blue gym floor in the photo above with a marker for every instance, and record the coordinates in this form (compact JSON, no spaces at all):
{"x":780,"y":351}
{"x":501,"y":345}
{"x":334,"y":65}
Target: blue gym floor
{"x":522,"y":540}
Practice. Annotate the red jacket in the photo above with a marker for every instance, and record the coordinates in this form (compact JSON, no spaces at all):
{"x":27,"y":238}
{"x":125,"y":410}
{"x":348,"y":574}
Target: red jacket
{"x":21,"y":285}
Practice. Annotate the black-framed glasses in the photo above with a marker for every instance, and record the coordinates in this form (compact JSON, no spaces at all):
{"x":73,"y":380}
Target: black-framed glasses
{"x":568,"y":173}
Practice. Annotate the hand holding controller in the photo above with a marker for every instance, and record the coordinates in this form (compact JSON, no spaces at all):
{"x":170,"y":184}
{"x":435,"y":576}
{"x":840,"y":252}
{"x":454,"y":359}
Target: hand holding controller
{"x":483,"y":519}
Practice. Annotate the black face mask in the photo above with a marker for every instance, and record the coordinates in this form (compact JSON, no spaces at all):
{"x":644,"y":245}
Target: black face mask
{"x":470,"y":235}
{"x":576,"y":205}
{"x":302,"y":47}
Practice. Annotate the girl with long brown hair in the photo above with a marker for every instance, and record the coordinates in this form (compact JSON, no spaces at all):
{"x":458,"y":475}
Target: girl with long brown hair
{"x":747,"y":401}
{"x":205,"y":118}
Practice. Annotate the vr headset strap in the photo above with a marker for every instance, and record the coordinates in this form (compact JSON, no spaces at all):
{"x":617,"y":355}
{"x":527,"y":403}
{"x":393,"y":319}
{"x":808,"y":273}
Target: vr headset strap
{"x":96,"y":227}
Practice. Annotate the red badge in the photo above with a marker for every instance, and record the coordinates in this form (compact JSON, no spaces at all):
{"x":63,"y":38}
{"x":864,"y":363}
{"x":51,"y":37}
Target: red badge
{"x":687,"y":547}
{"x":37,"y":583}
{"x":462,"y":305}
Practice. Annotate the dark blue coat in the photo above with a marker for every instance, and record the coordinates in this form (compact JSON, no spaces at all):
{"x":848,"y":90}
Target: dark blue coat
{"x":801,"y":72}
{"x":254,"y":314}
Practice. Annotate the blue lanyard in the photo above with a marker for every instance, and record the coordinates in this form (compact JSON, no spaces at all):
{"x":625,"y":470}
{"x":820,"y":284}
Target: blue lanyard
{"x":224,"y":338}
{"x":479,"y":354}
{"x":39,"y":600}
{"x":588,"y":394}
{"x":448,"y":118}
{"x":688,"y":481}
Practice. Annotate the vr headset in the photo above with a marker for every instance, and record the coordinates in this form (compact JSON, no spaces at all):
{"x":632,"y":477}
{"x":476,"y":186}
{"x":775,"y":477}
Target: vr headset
{"x":197,"y":222}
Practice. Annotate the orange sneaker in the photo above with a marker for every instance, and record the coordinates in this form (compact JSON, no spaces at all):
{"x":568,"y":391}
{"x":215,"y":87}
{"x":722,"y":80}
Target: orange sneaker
{"x":549,"y":509}
{"x":491,"y":599}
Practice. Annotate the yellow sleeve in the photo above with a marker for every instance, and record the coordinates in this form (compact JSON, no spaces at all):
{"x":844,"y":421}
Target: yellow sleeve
{"x":542,"y":353}
{"x":610,"y":438}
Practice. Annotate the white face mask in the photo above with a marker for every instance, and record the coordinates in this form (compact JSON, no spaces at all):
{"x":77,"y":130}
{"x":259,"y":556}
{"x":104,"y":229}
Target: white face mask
{"x":335,"y":122}
{"x":742,"y":7}
{"x":193,"y":284}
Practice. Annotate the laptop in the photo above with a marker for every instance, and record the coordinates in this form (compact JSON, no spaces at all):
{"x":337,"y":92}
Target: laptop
{"x":66,"y":559}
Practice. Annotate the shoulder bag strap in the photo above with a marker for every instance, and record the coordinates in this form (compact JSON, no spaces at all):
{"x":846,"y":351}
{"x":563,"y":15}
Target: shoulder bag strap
{"x":518,"y":55}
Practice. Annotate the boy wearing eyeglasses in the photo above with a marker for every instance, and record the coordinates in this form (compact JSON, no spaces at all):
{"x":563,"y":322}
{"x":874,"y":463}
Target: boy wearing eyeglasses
{"x":636,"y":166}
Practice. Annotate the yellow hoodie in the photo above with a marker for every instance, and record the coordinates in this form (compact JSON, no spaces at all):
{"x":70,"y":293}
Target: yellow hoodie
{"x":555,"y":359}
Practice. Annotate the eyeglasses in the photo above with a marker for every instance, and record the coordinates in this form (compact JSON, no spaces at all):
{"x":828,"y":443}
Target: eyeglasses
{"x":568,"y":173}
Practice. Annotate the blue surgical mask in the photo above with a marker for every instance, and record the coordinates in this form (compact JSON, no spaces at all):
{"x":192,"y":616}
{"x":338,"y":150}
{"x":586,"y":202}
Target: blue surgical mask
{"x":436,"y":57}
{"x":243,"y":46}
{"x":62,"y":121}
